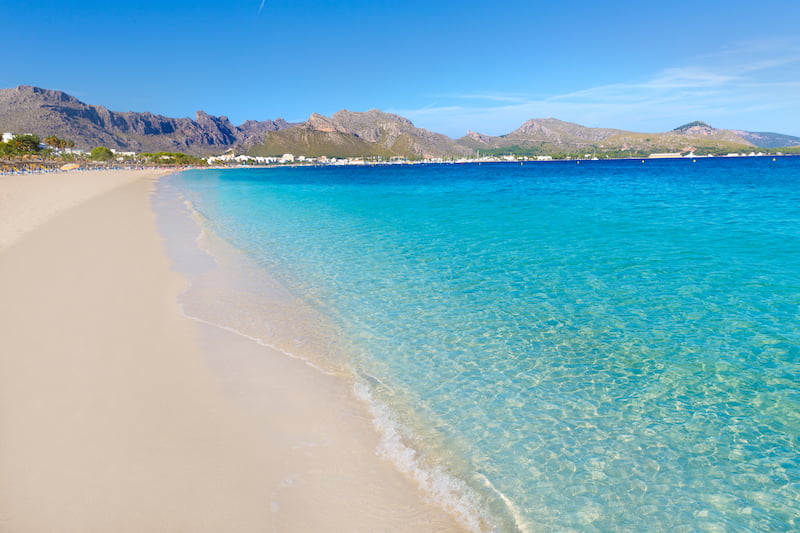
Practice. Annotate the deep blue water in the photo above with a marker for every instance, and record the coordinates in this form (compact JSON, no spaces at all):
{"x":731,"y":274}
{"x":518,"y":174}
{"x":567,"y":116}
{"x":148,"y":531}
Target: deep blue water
{"x":603,"y":346}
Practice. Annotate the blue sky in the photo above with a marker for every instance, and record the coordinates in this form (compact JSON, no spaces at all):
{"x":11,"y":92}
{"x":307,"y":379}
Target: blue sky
{"x":448,"y":66}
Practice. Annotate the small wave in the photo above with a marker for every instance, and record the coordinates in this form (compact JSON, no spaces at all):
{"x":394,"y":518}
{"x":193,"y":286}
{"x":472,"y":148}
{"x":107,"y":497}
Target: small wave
{"x":204,"y":242}
{"x":228,"y":266}
{"x":257,"y":340}
{"x":445,"y":490}
{"x":512,"y":508}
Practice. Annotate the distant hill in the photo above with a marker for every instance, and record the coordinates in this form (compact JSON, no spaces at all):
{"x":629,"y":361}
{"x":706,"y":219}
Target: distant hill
{"x":43,"y":112}
{"x":558,"y":131}
{"x":355,"y":134}
{"x":769,"y":140}
{"x":551,"y":136}
{"x":759,"y":139}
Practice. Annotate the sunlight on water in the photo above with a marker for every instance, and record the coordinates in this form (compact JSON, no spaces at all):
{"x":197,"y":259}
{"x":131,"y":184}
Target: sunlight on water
{"x":599,"y":347}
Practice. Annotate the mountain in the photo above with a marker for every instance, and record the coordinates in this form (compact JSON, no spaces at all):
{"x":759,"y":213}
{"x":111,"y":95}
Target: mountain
{"x":768,"y":140}
{"x":44,"y":112}
{"x":560,"y":132}
{"x":551,"y":136}
{"x":756,"y":138}
{"x":359,"y":134}
{"x":700,"y":129}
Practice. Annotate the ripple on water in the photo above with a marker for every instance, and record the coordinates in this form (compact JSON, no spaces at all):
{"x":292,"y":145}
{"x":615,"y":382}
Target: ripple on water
{"x":614,"y":347}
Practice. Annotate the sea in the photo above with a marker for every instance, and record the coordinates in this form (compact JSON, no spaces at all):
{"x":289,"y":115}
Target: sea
{"x":587,"y":346}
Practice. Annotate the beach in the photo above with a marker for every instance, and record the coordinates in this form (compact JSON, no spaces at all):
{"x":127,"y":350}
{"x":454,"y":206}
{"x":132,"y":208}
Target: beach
{"x":118,"y":413}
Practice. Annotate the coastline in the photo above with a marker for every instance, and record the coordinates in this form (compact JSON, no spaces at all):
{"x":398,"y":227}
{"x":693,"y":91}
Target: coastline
{"x":119,"y":413}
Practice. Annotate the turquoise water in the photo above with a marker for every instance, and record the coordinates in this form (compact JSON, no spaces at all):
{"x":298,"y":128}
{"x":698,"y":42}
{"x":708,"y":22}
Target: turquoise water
{"x":603,"y":346}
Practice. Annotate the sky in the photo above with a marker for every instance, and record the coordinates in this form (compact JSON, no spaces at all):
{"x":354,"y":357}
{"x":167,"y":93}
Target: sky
{"x":449,"y":66}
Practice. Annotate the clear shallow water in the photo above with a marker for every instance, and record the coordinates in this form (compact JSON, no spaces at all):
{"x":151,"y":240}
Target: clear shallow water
{"x":604,"y":346}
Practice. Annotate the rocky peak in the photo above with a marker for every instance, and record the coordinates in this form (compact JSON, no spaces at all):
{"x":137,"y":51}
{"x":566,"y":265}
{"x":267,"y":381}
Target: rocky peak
{"x":373,"y":125}
{"x":261,"y":126}
{"x":480,"y":137}
{"x":371,"y":117}
{"x":201,"y":117}
{"x":377,"y":114}
{"x":554,"y":130}
{"x":696,"y":128}
{"x":320,"y":123}
{"x":48,"y":96}
{"x":536,"y":127}
{"x":251,"y":132}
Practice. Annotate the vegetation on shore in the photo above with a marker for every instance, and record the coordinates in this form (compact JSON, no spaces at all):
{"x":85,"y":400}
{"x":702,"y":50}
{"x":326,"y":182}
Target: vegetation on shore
{"x":28,"y":148}
{"x":20,"y":146}
{"x":171,"y":158}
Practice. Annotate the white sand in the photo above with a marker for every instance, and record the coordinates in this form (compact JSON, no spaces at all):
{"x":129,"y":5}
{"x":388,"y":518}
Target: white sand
{"x":29,"y":200}
{"x":119,"y":414}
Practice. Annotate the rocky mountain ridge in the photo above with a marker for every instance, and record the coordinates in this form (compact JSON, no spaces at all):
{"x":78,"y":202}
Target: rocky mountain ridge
{"x":359,"y":134}
{"x":44,"y":112}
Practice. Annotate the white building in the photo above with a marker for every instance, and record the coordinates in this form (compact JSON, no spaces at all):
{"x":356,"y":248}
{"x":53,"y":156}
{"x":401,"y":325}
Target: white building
{"x":223,"y":158}
{"x":243,"y":159}
{"x":7,"y":136}
{"x":668,"y":155}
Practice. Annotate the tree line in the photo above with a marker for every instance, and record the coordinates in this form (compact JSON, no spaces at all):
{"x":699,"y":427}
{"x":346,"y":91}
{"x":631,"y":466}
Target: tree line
{"x":27,"y":145}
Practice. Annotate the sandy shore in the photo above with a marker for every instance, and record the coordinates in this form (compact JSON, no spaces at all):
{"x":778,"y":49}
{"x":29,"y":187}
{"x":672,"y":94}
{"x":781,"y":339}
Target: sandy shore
{"x":29,"y":200}
{"x":119,"y":414}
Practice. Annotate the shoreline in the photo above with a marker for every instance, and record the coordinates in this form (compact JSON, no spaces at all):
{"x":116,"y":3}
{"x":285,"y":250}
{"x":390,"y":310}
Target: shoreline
{"x":232,"y":292}
{"x":119,"y":413}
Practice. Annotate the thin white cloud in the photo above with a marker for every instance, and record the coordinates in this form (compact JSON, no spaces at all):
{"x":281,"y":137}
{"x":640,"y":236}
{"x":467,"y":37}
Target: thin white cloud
{"x":774,"y":62}
{"x":740,"y":88}
{"x":740,"y":52}
{"x":677,"y":78}
{"x":794,"y":85}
